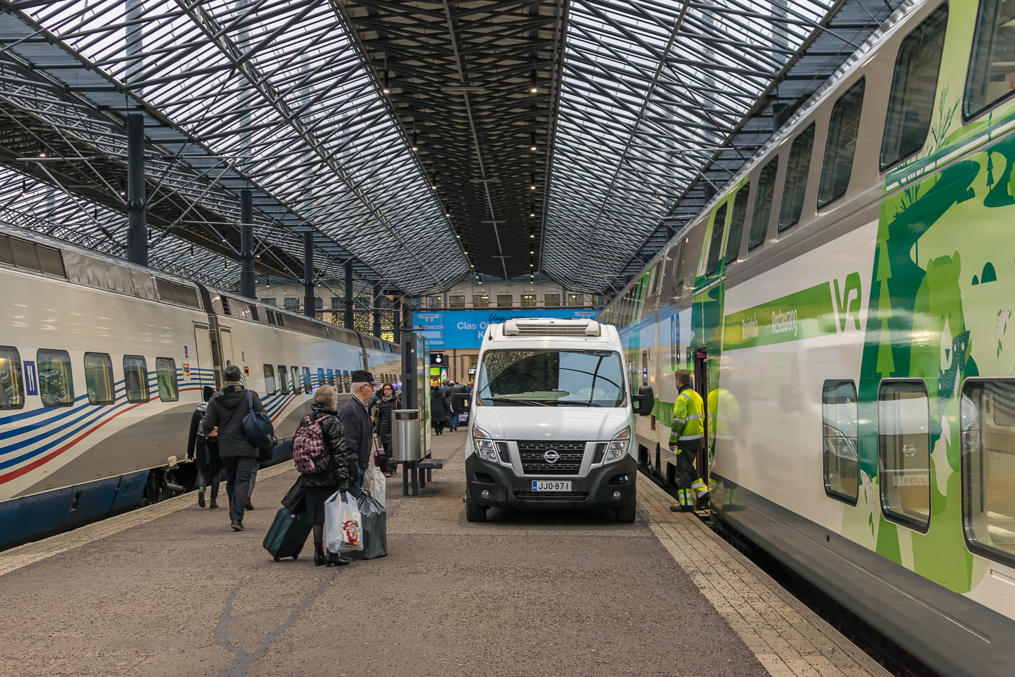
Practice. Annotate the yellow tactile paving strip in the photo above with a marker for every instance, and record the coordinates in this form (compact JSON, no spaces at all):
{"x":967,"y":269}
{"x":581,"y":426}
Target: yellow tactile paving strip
{"x":22,"y":556}
{"x":786,"y":636}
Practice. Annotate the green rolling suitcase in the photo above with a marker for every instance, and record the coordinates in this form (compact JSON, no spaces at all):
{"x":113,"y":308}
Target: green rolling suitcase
{"x":286,"y":535}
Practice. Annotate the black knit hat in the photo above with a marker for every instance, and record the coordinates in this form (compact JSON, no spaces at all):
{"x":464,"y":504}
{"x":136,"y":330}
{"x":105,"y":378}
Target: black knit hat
{"x":362,"y":376}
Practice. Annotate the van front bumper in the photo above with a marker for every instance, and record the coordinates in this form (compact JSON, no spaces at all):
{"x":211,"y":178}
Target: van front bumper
{"x":494,"y":485}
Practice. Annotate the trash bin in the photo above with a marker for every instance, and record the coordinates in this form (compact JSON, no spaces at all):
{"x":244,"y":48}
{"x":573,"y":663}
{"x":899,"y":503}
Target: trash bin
{"x":405,"y":437}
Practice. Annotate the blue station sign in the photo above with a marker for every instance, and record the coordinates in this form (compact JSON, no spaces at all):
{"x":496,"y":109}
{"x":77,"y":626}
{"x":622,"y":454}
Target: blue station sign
{"x":463,"y":329}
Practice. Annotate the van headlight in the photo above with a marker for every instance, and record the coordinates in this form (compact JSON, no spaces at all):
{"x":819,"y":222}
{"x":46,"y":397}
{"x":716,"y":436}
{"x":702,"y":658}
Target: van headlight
{"x":618,"y":446}
{"x":483,"y":444}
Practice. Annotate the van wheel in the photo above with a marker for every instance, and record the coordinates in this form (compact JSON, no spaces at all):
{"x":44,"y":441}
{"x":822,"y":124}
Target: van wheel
{"x":474,"y":513}
{"x":626,"y":514}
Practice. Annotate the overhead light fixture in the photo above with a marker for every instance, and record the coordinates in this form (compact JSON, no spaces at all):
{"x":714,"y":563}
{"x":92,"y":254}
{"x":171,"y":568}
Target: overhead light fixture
{"x":532,"y":236}
{"x":532,"y":146}
{"x":532,"y":185}
{"x":533,"y":89}
{"x":387,"y":82}
{"x":447,"y":214}
{"x":532,"y":251}
{"x":415,"y":141}
{"x":457,"y":236}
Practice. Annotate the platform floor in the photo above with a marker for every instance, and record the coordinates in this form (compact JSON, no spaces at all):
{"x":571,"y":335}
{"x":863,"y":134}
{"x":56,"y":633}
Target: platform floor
{"x":170,"y":590}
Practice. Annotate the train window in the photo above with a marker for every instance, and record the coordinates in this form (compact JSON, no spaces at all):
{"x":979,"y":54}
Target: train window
{"x":269,"y":380}
{"x":320,"y":378}
{"x":331,"y":377}
{"x":306,"y":381}
{"x":346,"y":382}
{"x":715,"y":243}
{"x":295,"y":371}
{"x":842,"y":131}
{"x":914,"y":84}
{"x":990,"y":70}
{"x":763,"y":204}
{"x":839,"y":440}
{"x":737,"y":220}
{"x":904,"y":452}
{"x":12,"y":386}
{"x":283,"y":382}
{"x":135,"y":378}
{"x":56,"y":383}
{"x":165,"y":374}
{"x":50,"y":260}
{"x":987,"y":421}
{"x":798,"y":166}
{"x":25,"y":255}
{"x":6,"y":256}
{"x":99,"y":380}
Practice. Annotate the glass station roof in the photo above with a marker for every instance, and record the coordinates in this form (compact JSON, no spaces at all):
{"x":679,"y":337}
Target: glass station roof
{"x":568,"y":138}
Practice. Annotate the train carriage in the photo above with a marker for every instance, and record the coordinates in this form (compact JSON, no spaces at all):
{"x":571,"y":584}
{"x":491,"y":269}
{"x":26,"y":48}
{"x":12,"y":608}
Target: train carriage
{"x":845,"y":304}
{"x":102,"y":364}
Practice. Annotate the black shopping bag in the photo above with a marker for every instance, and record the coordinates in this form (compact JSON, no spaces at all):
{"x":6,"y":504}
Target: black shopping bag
{"x":374,"y":523}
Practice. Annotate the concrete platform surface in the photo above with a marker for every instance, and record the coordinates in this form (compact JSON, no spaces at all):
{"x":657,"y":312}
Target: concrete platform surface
{"x":170,"y":590}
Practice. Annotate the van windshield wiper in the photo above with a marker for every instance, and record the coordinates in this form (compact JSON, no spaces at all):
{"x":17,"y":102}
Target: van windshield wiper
{"x":577,"y":403}
{"x":520,"y":402}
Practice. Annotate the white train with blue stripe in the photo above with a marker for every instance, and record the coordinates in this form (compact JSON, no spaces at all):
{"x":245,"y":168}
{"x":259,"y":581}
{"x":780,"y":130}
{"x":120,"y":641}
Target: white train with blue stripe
{"x":103,"y":362}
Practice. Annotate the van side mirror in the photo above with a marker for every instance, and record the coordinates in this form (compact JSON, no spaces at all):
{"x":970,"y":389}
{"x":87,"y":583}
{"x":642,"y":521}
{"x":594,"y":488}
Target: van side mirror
{"x":645,"y":401}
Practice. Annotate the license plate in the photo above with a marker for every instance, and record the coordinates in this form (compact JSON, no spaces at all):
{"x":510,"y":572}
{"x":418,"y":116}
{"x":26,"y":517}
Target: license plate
{"x":551,"y":485}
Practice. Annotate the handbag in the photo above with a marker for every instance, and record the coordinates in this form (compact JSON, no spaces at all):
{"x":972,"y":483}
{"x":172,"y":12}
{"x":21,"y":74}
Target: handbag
{"x":257,"y":428}
{"x":342,"y":523}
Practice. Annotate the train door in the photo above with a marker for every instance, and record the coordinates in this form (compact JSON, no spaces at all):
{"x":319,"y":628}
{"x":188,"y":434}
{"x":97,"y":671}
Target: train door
{"x":701,"y":385}
{"x":202,"y":359}
{"x":227,"y":346}
{"x":645,"y":381}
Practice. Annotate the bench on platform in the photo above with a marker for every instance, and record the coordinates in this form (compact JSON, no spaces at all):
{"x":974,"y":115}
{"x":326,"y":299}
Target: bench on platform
{"x":413,"y":480}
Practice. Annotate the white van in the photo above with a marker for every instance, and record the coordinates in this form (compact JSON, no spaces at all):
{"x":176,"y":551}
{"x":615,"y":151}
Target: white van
{"x":551,"y":421}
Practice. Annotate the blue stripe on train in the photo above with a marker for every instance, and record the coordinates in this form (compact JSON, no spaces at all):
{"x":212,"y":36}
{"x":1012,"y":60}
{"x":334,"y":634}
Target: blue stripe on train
{"x":31,"y":517}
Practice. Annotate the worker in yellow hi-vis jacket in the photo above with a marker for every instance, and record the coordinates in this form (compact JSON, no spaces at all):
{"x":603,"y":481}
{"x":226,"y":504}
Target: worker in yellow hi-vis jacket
{"x":687,"y":436}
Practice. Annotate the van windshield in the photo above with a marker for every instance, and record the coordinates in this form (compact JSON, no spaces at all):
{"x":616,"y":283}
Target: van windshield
{"x":551,"y":378}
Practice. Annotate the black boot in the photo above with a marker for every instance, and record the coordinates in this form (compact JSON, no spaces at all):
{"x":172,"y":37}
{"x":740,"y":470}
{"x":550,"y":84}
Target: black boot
{"x":335,"y":559}
{"x":320,"y":558}
{"x":200,"y":498}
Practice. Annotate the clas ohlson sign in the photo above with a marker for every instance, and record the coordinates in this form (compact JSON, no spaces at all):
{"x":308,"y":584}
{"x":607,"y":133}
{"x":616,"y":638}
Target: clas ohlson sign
{"x":463,"y":329}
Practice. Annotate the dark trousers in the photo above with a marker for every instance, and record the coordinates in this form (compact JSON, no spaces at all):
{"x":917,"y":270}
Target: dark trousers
{"x":382,"y":461}
{"x":209,"y":471}
{"x":689,"y":483}
{"x":239,"y":470}
{"x":438,"y":426}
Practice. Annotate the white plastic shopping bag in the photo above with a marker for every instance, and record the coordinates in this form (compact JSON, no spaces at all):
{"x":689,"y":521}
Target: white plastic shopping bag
{"x":375,"y":484}
{"x":343,"y":530}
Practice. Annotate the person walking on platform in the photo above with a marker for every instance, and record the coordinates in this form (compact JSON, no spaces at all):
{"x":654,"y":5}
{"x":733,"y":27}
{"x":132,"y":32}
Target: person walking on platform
{"x":204,"y":452}
{"x":356,"y":426}
{"x":224,"y":421}
{"x":335,"y":461}
{"x":687,"y":436}
{"x":438,"y":410}
{"x":384,"y":411}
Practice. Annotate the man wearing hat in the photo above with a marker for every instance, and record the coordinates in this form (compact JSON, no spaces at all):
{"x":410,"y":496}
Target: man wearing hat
{"x":356,"y":424}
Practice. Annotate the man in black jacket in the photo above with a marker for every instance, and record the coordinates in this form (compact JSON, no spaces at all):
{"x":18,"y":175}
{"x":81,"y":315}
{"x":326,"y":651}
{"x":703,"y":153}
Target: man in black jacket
{"x":356,"y":425}
{"x":224,"y":420}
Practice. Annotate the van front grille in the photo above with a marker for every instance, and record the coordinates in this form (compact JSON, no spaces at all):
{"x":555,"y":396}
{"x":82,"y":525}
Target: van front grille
{"x":534,"y":462}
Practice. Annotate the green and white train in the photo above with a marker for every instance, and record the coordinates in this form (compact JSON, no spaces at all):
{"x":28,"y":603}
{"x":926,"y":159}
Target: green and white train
{"x":849,"y":298}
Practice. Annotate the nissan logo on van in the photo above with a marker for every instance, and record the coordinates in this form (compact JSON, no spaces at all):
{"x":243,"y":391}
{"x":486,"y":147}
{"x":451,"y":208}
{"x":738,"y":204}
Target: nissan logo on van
{"x":551,"y":456}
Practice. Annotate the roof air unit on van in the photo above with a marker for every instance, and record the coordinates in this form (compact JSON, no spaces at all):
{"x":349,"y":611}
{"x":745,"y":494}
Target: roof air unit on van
{"x":529,"y":326}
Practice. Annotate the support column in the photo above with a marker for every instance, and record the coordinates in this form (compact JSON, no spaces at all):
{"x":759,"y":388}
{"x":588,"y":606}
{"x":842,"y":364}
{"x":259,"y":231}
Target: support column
{"x":376,"y":309}
{"x":309,"y":306}
{"x":247,"y":284}
{"x":137,"y":233}
{"x":349,"y":324}
{"x":396,"y":322}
